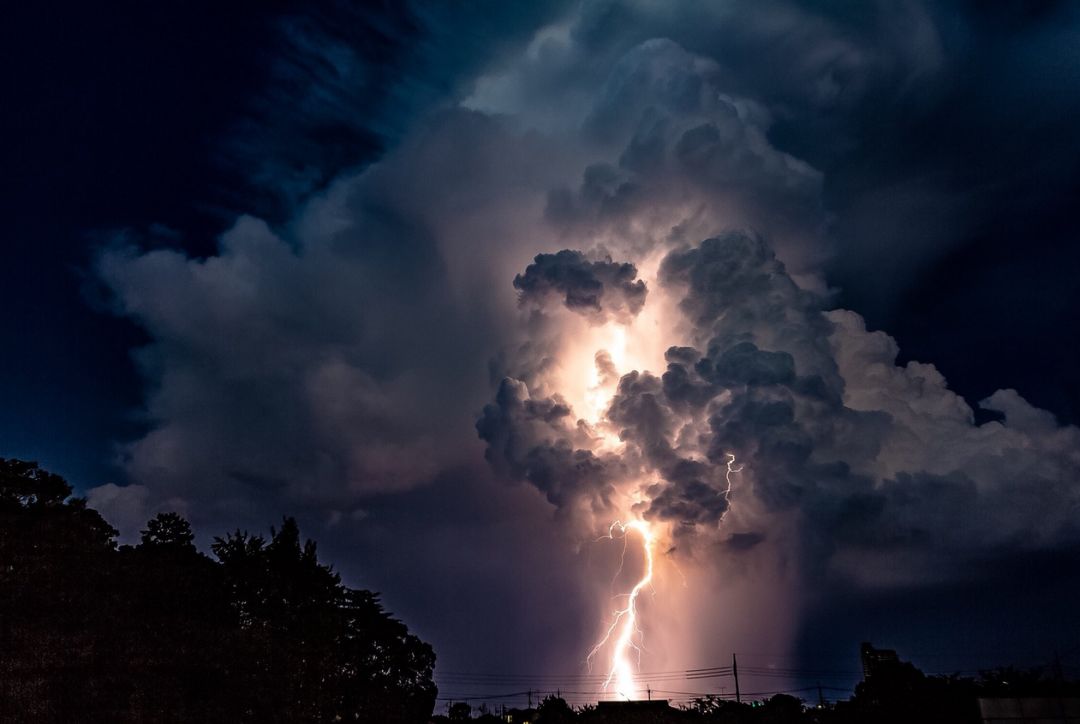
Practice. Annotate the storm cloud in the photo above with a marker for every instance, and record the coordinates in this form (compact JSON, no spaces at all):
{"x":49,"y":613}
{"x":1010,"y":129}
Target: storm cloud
{"x":736,"y":171}
{"x":891,"y":477}
{"x":597,"y":289}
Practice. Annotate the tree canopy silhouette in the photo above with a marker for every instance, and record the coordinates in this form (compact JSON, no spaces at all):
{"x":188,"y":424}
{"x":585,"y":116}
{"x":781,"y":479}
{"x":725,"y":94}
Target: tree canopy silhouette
{"x":159,"y":632}
{"x":169,"y":530}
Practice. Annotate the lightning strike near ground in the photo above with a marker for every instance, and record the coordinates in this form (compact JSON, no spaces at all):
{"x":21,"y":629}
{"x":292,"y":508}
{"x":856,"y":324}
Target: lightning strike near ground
{"x":623,"y":637}
{"x":628,"y":636}
{"x":624,"y":633}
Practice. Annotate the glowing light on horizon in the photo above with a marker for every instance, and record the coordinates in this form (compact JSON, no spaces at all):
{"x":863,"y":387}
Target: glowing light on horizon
{"x":628,"y":635}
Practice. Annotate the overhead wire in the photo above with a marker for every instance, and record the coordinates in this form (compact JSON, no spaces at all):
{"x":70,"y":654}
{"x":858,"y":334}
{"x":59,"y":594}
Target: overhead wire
{"x":586,"y":687}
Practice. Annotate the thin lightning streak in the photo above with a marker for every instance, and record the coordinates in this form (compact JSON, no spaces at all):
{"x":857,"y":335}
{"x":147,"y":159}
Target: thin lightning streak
{"x":622,"y":554}
{"x":678,"y":570}
{"x":727,"y":477}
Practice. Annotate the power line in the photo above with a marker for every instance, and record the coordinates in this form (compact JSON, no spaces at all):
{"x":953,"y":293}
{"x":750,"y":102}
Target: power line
{"x":639,"y":675}
{"x":584,"y":687}
{"x":593,"y":695}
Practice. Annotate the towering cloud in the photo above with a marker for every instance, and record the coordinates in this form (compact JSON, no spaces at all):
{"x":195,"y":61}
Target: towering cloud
{"x":600,"y":257}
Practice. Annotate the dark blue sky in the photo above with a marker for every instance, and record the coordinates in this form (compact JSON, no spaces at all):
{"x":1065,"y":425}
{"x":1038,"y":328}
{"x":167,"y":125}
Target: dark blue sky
{"x":116,"y":121}
{"x":948,"y":197}
{"x":112,"y":120}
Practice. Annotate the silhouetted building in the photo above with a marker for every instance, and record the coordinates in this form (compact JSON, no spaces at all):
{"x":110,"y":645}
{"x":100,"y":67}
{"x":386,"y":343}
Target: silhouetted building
{"x":655,"y":711}
{"x":874,"y":660}
{"x":632,"y":706}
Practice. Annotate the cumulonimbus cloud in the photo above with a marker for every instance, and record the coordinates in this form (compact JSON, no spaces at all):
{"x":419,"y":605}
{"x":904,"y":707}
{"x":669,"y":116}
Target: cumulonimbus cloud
{"x":889,"y":474}
{"x":592,"y":175}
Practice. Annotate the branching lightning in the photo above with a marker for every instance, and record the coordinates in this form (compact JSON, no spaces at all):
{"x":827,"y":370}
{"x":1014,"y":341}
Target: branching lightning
{"x":625,"y":634}
{"x":624,"y":627}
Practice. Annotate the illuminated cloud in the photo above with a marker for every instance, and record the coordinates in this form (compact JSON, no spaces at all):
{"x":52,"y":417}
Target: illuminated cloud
{"x":889,"y":474}
{"x":599,"y":261}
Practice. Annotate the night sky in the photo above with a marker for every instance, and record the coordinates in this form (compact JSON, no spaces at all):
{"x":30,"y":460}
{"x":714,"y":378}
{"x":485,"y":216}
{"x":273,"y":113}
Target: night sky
{"x":265,"y":260}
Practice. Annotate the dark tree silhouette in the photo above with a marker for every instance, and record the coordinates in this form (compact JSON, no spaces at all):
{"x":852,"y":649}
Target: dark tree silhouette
{"x":554,"y":710}
{"x":899,"y":693}
{"x":169,"y":529}
{"x":459,"y":711}
{"x":310,"y":634}
{"x":54,"y":556}
{"x":160,"y":632}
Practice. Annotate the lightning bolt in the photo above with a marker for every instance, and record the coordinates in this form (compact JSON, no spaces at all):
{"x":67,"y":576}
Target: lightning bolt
{"x":625,"y":633}
{"x":624,"y":630}
{"x":727,"y":477}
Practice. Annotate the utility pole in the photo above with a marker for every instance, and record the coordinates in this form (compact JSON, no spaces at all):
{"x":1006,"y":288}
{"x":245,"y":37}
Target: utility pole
{"x":648,"y":688}
{"x":735,"y":670}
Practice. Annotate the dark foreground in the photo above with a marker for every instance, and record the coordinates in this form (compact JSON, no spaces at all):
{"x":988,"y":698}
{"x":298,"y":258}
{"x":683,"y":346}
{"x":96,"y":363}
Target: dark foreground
{"x":901,"y":696}
{"x":159,"y":633}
